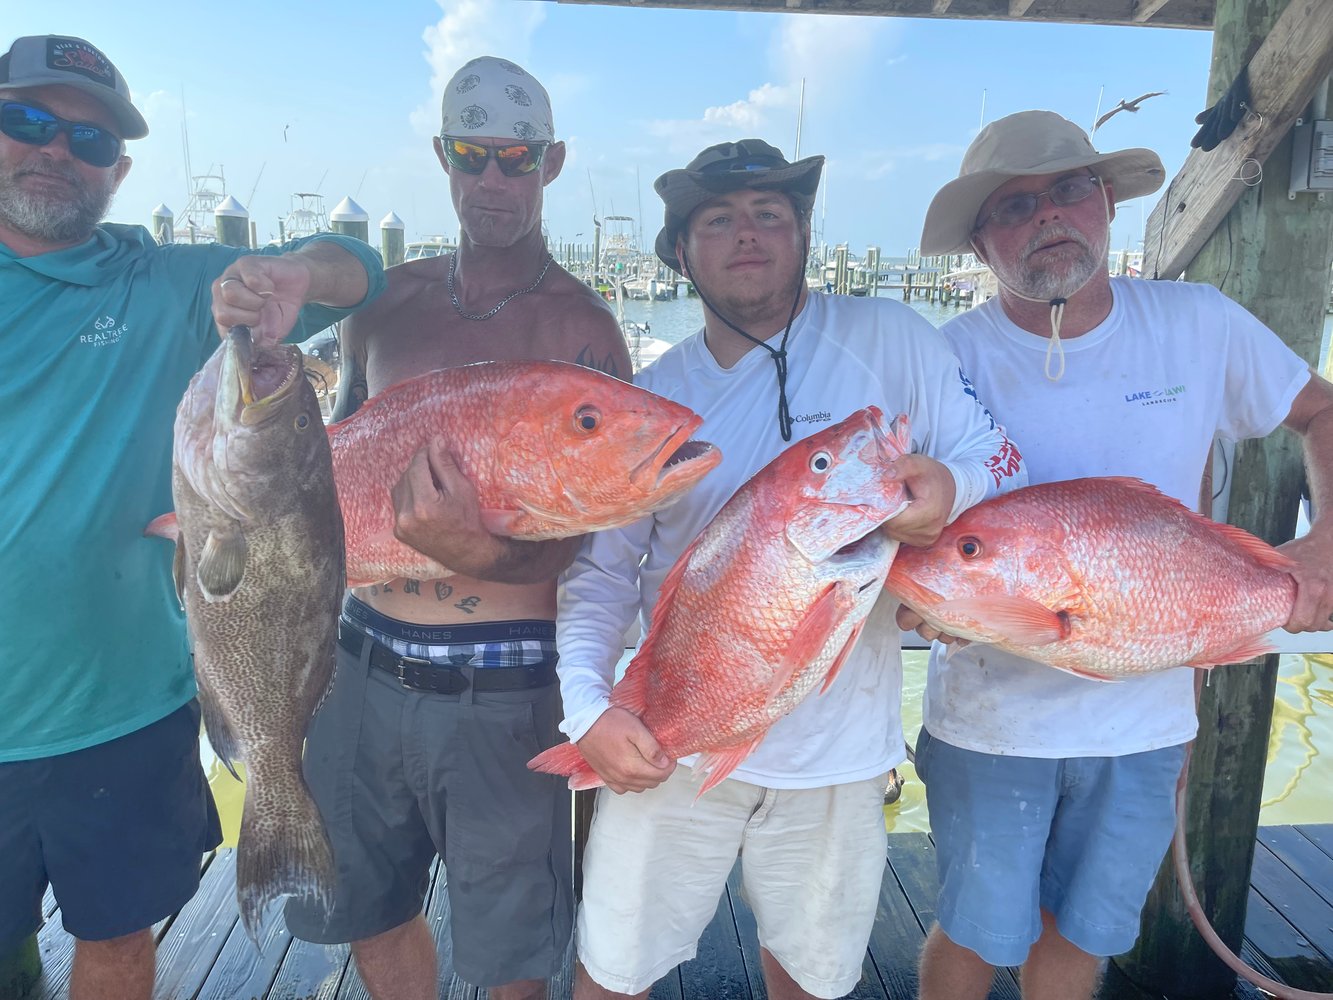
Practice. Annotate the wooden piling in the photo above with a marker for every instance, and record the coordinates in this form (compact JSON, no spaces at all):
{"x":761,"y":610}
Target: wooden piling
{"x":1271,"y":254}
{"x":350,"y":219}
{"x":392,"y":247}
{"x":233,"y":223}
{"x":164,"y":229}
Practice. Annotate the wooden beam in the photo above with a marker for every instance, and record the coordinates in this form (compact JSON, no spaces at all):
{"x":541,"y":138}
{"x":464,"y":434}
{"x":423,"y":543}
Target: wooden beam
{"x":1294,"y":59}
{"x":940,"y":6}
{"x":1145,"y":10}
{"x":1019,"y":8}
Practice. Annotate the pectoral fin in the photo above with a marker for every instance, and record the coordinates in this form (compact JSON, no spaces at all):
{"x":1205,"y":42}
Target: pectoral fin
{"x":222,"y":563}
{"x":1014,"y":619}
{"x":810,"y":635}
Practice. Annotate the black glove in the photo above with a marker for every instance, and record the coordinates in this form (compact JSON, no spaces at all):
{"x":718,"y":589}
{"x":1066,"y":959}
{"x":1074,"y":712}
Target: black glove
{"x":1221,"y":119}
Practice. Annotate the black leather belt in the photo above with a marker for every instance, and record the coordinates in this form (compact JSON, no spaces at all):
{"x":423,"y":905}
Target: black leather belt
{"x":421,"y":674}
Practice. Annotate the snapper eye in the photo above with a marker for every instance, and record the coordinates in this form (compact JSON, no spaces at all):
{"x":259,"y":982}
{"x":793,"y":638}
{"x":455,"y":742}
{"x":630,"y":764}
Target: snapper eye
{"x":969,"y":547}
{"x":302,"y":421}
{"x":821,"y":462}
{"x":587,"y":418}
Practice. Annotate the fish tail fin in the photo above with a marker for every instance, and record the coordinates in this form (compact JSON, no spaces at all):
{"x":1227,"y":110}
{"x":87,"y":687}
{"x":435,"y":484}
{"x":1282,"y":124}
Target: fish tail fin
{"x":285,"y":853}
{"x":565,"y":759}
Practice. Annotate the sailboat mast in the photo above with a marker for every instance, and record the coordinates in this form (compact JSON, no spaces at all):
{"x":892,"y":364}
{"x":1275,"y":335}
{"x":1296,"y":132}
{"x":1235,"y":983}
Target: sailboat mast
{"x":800,"y":118}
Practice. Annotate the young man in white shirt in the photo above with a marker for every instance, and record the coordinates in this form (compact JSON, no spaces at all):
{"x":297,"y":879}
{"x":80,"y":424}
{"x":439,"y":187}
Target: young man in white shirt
{"x":772,"y":363}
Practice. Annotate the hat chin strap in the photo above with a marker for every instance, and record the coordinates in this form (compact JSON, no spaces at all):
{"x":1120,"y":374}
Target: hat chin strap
{"x":780,"y":355}
{"x":1054,"y":345}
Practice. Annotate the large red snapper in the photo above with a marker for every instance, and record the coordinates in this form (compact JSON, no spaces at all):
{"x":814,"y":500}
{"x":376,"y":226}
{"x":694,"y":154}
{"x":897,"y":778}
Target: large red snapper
{"x":554,"y":450}
{"x":1102,"y":577}
{"x":766,"y":603}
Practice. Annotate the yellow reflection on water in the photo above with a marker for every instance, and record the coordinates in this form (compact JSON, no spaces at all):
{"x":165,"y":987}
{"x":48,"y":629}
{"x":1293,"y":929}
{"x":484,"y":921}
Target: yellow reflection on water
{"x":228,"y":793}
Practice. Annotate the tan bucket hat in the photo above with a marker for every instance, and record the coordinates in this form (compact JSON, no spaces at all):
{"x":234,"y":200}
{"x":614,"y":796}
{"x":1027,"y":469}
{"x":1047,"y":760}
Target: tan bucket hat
{"x":1021,"y":145}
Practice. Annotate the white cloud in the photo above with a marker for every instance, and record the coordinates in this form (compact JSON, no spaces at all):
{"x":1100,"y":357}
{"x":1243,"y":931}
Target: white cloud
{"x":471,"y":28}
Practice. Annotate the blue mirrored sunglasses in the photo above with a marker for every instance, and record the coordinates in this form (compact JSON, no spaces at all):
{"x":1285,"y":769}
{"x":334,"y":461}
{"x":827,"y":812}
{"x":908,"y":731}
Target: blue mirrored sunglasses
{"x":92,"y":144}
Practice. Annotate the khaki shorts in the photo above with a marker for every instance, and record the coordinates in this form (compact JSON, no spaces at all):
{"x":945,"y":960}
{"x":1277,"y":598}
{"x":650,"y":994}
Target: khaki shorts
{"x":656,"y":864}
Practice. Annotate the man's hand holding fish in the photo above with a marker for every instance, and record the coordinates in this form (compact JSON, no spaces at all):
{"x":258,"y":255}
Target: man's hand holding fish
{"x":267,"y":294}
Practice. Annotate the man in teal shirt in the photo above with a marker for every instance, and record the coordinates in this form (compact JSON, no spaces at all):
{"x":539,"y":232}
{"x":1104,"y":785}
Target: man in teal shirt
{"x":101,"y":790}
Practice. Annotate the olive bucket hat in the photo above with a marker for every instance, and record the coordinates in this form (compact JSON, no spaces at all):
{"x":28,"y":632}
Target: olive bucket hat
{"x":1026,"y":144}
{"x":730,"y":166}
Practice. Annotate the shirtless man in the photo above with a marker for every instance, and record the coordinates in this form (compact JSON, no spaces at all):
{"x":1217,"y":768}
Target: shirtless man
{"x":395,"y":763}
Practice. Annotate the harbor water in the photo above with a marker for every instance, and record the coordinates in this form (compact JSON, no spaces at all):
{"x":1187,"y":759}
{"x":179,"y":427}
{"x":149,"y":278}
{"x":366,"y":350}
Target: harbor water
{"x":1297,"y":778}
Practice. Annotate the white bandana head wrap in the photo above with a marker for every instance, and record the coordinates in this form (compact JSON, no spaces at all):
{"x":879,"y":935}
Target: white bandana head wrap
{"x":495,"y":98}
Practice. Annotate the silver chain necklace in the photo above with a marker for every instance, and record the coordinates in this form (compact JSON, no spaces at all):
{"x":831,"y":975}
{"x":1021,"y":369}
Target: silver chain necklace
{"x":458,"y":306}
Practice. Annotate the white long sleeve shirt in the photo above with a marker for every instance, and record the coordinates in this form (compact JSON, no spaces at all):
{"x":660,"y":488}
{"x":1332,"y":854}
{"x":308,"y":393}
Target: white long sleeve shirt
{"x":843,"y":354}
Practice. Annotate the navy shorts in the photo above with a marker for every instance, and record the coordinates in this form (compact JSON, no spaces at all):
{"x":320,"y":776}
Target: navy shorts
{"x":118,"y":830}
{"x":1079,"y":837}
{"x":400,"y":775}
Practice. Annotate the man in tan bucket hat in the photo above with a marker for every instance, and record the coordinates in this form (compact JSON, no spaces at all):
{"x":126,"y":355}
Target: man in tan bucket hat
{"x":1037,"y":778}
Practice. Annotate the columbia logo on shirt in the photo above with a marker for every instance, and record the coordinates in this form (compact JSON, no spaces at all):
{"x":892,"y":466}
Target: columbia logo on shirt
{"x":106,"y":331}
{"x":1151,"y":397}
{"x":818,"y":417}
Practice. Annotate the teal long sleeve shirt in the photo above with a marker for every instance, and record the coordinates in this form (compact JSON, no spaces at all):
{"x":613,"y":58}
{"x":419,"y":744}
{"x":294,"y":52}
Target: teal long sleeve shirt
{"x":97,"y":345}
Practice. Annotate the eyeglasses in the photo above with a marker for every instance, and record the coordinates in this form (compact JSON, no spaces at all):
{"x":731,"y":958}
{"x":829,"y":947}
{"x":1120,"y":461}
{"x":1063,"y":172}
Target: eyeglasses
{"x":514,"y":161}
{"x":92,"y":144}
{"x":1018,"y":208}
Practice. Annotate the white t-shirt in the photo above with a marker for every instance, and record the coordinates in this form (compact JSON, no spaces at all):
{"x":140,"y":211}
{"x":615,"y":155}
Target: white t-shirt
{"x":843,"y":354}
{"x":1143,"y":394}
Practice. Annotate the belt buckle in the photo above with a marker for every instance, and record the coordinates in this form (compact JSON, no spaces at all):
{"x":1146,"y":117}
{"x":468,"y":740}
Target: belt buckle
{"x":433,"y":677}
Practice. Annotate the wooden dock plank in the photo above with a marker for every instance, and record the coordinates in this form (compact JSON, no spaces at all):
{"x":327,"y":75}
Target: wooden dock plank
{"x":204,"y":954}
{"x":1287,"y":950}
{"x":188,"y":949}
{"x":912,"y":858}
{"x":1302,"y":856}
{"x":717,"y":972}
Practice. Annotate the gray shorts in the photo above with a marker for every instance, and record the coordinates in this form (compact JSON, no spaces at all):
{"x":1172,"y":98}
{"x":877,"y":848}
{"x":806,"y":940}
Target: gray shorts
{"x":393,"y":770}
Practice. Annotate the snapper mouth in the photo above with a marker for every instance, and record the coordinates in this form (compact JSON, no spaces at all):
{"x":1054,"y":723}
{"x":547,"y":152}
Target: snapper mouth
{"x":678,"y":463}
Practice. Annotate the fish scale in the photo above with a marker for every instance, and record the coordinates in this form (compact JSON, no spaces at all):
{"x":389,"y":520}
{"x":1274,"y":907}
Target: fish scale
{"x":766,"y":603}
{"x":1104,"y":577}
{"x":514,"y":427}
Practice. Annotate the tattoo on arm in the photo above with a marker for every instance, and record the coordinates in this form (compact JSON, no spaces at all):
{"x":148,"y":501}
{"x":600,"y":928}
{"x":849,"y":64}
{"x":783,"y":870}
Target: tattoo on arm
{"x":588,"y":359}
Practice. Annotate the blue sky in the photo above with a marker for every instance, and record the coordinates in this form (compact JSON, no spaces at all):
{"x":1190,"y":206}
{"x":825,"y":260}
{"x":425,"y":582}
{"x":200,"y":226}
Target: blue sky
{"x":342,"y":98}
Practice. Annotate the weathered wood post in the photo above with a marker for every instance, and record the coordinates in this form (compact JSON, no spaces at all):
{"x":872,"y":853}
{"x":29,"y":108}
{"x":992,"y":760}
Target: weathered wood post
{"x":1271,"y":254}
{"x":164,"y":228}
{"x":350,"y":219}
{"x":391,"y":239}
{"x":233,"y":223}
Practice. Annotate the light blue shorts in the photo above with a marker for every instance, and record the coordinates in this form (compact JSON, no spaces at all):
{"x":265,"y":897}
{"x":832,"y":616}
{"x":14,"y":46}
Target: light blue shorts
{"x":1081,"y":838}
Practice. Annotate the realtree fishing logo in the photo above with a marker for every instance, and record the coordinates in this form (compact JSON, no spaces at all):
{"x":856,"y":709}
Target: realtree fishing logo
{"x":1151,"y":397}
{"x":107,"y":332}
